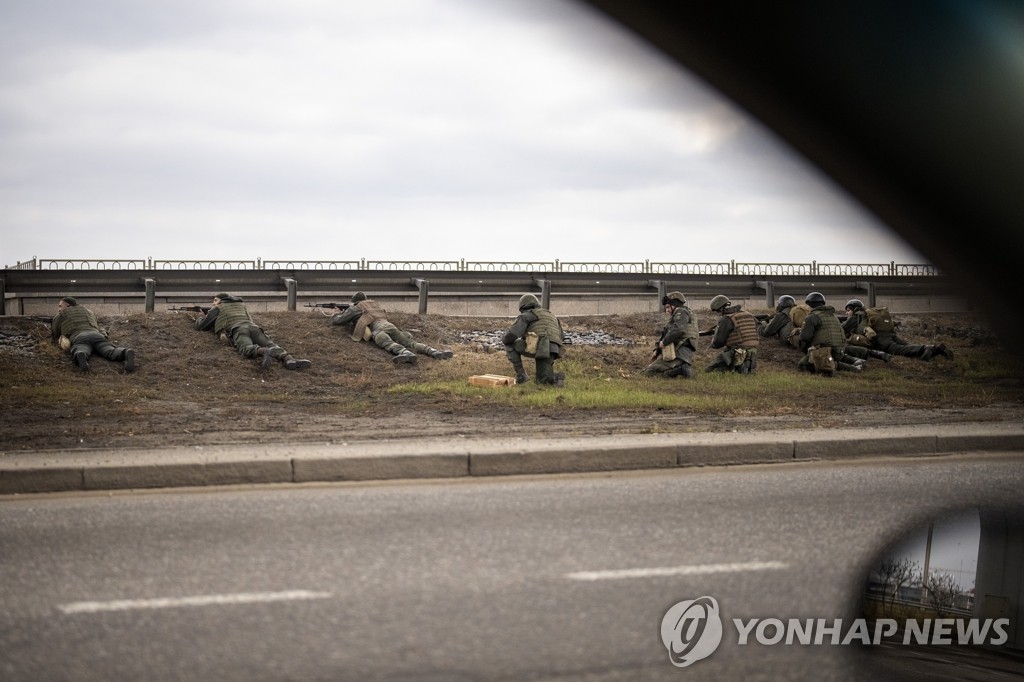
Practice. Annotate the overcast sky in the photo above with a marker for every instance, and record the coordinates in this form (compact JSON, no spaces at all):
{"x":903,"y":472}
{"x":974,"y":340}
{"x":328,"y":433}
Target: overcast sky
{"x":406,"y":129}
{"x":955,"y":542}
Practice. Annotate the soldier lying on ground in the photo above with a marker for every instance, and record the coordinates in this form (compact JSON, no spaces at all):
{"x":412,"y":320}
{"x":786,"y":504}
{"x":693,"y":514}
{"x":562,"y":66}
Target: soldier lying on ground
{"x":229,"y":317}
{"x":369,"y":321}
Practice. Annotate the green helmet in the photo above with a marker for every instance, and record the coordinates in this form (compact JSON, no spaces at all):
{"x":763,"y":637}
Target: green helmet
{"x":528,"y":301}
{"x":673,"y":298}
{"x":720,"y":303}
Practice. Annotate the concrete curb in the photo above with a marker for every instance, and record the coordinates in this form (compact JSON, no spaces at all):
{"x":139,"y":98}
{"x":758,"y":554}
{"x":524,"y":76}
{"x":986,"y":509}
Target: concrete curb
{"x":56,"y":471}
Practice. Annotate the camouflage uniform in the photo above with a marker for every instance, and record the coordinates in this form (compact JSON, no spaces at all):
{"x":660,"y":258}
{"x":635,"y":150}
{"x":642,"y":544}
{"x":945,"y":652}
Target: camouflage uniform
{"x":539,"y":321}
{"x":821,"y":329}
{"x":230,"y":319}
{"x":681,"y":334}
{"x":888,"y":342}
{"x":737,"y":336}
{"x":369,"y":321}
{"x":79,"y":325}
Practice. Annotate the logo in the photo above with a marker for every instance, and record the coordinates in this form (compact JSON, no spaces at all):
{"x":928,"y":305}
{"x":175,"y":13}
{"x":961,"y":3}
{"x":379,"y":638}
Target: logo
{"x":691,"y":630}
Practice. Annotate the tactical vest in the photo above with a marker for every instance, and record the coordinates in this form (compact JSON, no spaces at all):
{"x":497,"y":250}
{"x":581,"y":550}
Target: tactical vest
{"x":744,"y":331}
{"x":232,"y":314}
{"x":546,"y":324}
{"x":688,"y":328}
{"x":829,"y":332}
{"x":370,"y":312}
{"x":75,"y":320}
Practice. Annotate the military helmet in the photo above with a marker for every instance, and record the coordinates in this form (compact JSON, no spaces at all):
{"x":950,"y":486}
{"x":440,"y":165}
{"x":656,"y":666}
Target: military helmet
{"x":358,"y":296}
{"x":720,"y":302}
{"x":814,"y":299}
{"x":527,"y":301}
{"x":674,"y":298}
{"x":854,"y":304}
{"x":784,"y":302}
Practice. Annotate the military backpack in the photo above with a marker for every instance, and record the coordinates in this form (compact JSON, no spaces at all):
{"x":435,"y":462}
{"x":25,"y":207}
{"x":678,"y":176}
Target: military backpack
{"x":880,"y":320}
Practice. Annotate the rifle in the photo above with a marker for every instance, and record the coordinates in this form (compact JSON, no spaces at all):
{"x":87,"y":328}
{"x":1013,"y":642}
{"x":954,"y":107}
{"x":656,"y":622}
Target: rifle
{"x":708,"y":332}
{"x":763,"y":317}
{"x":339,"y":306}
{"x":190,"y":309}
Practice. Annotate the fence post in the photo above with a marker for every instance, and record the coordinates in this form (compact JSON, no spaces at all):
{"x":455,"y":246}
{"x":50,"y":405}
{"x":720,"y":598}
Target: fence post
{"x":150,"y":293}
{"x":3,"y":295}
{"x":424,"y":289}
{"x":545,"y":293}
{"x":292,"y":287}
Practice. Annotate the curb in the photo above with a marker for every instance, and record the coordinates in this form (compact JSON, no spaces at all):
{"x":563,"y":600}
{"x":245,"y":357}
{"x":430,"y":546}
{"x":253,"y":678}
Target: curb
{"x":87,"y":470}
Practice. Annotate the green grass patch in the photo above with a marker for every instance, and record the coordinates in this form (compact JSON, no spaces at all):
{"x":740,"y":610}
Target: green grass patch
{"x":764,"y":392}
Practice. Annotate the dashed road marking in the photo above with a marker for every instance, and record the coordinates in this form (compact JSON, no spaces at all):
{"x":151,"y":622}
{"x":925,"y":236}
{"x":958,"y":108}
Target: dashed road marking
{"x":696,"y":569}
{"x":201,"y":600}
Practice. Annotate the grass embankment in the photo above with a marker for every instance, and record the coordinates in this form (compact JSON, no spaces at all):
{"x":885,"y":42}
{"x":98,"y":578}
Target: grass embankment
{"x":974,"y":378}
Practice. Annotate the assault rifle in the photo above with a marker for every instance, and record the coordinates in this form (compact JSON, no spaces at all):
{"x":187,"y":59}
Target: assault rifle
{"x":190,"y":309}
{"x":339,"y":306}
{"x":763,"y":317}
{"x":708,"y":332}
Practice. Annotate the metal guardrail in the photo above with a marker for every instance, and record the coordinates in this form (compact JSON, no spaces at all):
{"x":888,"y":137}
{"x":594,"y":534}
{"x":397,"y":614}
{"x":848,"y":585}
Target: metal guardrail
{"x":730,"y":268}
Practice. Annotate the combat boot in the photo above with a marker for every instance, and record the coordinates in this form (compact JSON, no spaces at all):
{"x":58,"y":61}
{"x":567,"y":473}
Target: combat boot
{"x":441,"y":354}
{"x":267,"y":357}
{"x":405,"y":357}
{"x":129,"y":360}
{"x":880,"y":355}
{"x":559,"y":379}
{"x":684,"y":370}
{"x":942,"y":350}
{"x":81,"y":361}
{"x":294,"y":363}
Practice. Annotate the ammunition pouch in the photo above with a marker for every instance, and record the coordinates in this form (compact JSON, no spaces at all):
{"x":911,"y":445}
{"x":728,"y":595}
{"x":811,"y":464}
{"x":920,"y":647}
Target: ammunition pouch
{"x":65,"y":343}
{"x":668,"y":352}
{"x":859,"y":340}
{"x":822,"y":359}
{"x":739,"y":356}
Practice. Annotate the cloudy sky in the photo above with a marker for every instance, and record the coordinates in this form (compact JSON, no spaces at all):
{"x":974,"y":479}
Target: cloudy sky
{"x":407,"y":129}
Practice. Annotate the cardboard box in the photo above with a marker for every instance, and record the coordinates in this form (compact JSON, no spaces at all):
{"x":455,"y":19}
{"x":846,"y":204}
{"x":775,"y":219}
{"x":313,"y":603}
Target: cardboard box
{"x":491,"y":380}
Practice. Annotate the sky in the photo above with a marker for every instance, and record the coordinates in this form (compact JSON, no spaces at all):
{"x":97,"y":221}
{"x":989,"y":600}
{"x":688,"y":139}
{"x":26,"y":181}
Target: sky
{"x":955,"y":541}
{"x":506,"y":130}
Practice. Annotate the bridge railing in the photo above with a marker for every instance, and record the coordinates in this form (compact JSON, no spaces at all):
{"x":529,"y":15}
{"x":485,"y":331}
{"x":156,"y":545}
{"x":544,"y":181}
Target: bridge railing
{"x":732,"y":268}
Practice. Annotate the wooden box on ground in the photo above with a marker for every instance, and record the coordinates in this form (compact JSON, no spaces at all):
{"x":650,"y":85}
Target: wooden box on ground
{"x":491,"y":380}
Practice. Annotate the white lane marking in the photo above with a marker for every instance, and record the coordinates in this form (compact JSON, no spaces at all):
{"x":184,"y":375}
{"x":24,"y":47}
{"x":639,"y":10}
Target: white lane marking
{"x":697,"y":569}
{"x":202,"y":600}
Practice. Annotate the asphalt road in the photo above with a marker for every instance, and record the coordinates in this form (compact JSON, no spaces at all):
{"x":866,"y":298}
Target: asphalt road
{"x":563,"y":577}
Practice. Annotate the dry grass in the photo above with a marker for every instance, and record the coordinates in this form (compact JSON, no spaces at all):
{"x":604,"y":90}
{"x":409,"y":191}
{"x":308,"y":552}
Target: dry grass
{"x":190,"y":386}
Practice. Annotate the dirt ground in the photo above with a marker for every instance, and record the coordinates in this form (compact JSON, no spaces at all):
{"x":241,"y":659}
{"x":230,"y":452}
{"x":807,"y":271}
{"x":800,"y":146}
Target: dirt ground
{"x":190,"y":387}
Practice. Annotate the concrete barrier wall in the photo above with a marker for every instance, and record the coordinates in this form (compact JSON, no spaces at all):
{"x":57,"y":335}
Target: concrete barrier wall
{"x":471,"y":306}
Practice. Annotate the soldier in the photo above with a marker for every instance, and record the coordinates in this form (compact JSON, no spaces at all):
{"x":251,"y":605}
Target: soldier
{"x":369,"y":321}
{"x":74,"y":327}
{"x":822,"y":338}
{"x":229,"y":319}
{"x":673,"y":356}
{"x":879,"y":330}
{"x":783,"y":325}
{"x":786,"y":325}
{"x":537,"y":334}
{"x":736,"y":335}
